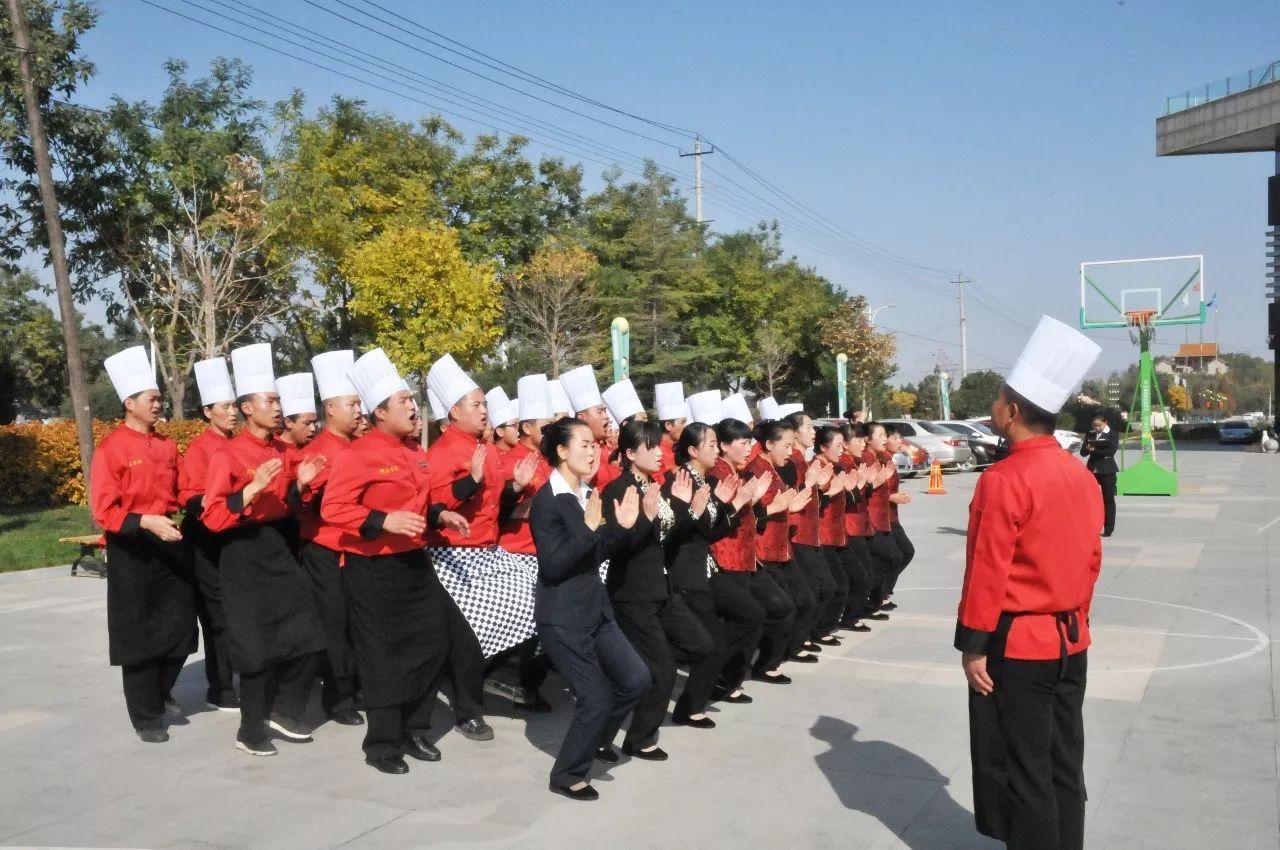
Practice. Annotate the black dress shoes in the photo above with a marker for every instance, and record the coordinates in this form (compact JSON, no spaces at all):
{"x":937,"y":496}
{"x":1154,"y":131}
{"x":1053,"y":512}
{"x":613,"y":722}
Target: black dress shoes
{"x":608,"y":755}
{"x":420,"y":748}
{"x":682,"y":718}
{"x":740,"y":699}
{"x":857,"y":627}
{"x":889,"y":606}
{"x":656,"y":754}
{"x":585,"y":793}
{"x":828,"y":640}
{"x":349,"y":717}
{"x":878,"y":615}
{"x":804,"y":659}
{"x":777,"y":679}
{"x":152,"y":736}
{"x":810,"y":646}
{"x":393,"y":764}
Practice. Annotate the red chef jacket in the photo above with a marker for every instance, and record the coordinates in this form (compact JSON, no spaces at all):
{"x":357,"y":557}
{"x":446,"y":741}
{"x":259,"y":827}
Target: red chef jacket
{"x":878,"y":513}
{"x":735,"y":551}
{"x":1033,"y":549}
{"x":894,"y":484}
{"x":667,"y":463}
{"x":449,"y":460}
{"x":774,"y":542}
{"x":804,"y":523}
{"x":133,"y":474}
{"x":231,"y":469}
{"x":195,"y":463}
{"x":832,"y":522}
{"x":310,"y":525}
{"x":606,"y":470}
{"x":372,"y":477}
{"x":514,"y":534}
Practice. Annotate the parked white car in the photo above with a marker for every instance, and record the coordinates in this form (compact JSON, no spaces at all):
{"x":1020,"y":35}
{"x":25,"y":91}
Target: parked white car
{"x":1069,"y":440}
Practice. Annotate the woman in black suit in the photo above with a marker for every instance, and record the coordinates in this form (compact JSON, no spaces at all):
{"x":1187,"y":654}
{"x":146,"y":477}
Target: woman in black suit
{"x":1100,"y":447}
{"x":574,"y":618}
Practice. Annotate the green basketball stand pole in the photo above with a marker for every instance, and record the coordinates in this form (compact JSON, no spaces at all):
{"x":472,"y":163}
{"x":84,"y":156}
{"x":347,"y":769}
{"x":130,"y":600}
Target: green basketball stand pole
{"x":1146,"y":477}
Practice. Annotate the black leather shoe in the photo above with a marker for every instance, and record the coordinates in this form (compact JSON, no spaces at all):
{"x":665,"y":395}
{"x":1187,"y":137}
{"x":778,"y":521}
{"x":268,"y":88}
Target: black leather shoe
{"x":857,"y":627}
{"x":682,"y":718}
{"x":152,"y":736}
{"x":778,"y":679}
{"x":829,"y":640}
{"x":608,"y":755}
{"x":656,"y":754}
{"x":537,"y":705}
{"x":420,"y":748}
{"x":878,"y":615}
{"x":475,"y":729}
{"x":740,"y":699}
{"x":804,"y":659}
{"x":350,"y":717}
{"x":227,"y":703}
{"x":393,"y":764}
{"x":586,"y":793}
{"x":889,"y":606}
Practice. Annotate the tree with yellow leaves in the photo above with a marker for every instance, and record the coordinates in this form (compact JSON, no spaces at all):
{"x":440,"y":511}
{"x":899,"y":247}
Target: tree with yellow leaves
{"x":552,"y":303}
{"x":422,"y":298}
{"x":1178,"y":398}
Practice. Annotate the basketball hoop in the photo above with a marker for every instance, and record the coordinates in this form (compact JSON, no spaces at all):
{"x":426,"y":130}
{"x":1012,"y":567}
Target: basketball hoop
{"x":1138,"y":321}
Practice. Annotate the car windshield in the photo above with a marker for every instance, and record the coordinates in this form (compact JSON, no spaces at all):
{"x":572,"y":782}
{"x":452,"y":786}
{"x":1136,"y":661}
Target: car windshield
{"x":978,"y":426}
{"x":1236,"y":423}
{"x":959,"y":429}
{"x":934,"y":428}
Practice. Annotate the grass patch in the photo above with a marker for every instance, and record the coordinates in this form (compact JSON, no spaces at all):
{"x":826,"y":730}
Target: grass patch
{"x":30,"y":539}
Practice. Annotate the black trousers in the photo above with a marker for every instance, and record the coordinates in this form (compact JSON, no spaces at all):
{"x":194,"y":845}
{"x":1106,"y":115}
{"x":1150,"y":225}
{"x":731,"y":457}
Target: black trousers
{"x":464,"y":668}
{"x":532,"y":666}
{"x":906,"y":548}
{"x":744,"y":618}
{"x":389,"y":726}
{"x":146,"y":687}
{"x":337,"y":666}
{"x":202,"y":549}
{"x":779,"y":618}
{"x":791,"y":578}
{"x":1027,"y":745}
{"x":1108,"y":485}
{"x":886,"y":563}
{"x":830,"y":587}
{"x":855,"y":559}
{"x":607,"y":678}
{"x":704,"y":673}
{"x":662,"y":633}
{"x":282,"y":689}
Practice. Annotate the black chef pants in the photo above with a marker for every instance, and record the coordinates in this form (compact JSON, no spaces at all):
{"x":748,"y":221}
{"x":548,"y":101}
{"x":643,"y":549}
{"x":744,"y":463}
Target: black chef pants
{"x":830,"y":587}
{"x":744,"y":619}
{"x":282,"y":689}
{"x":791,"y":578}
{"x":703,"y":673}
{"x":906,"y":548}
{"x":780,"y":617}
{"x":855,"y":557}
{"x":203,"y":550}
{"x":388,"y":727}
{"x":886,"y":562}
{"x":146,"y":687}
{"x":464,"y":668}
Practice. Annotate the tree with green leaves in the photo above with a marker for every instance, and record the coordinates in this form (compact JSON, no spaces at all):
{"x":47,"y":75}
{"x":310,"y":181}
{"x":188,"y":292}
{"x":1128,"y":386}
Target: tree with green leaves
{"x":849,"y":330}
{"x":973,"y":396}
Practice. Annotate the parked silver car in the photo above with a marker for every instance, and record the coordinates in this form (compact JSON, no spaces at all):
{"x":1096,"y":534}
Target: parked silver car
{"x":943,"y":445}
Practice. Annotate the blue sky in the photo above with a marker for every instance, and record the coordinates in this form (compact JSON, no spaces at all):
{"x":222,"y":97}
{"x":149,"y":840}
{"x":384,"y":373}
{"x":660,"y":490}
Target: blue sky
{"x":1008,"y":140}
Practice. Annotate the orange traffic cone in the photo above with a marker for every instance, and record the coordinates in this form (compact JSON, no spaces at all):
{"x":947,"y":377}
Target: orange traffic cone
{"x":935,"y":481}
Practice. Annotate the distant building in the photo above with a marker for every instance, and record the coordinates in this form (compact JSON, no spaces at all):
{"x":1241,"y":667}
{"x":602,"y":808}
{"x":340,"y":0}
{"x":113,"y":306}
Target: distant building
{"x":1201,"y":357}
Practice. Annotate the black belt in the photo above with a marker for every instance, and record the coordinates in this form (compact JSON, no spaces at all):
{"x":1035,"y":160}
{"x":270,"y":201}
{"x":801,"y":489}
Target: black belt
{"x":1068,"y":627}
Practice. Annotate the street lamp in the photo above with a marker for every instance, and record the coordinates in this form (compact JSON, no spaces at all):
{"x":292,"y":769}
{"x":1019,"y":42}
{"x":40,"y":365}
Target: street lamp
{"x":877,"y":310}
{"x":873,"y":324}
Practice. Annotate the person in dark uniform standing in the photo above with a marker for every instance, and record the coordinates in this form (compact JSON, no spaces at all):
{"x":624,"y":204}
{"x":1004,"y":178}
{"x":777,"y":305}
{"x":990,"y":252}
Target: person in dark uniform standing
{"x":274,"y":632}
{"x":151,"y":605}
{"x":378,"y":495}
{"x":1033,"y":557}
{"x":1100,"y":447}
{"x":572,"y":610}
{"x":218,"y":402}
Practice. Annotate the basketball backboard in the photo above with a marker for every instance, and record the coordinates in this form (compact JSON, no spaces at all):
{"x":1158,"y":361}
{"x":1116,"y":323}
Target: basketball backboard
{"x":1172,"y":287}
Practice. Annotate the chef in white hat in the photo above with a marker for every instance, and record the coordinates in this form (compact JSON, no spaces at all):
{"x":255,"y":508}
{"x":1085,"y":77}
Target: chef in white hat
{"x":561,"y":407}
{"x":535,"y":413}
{"x":504,"y":419}
{"x":251,"y":500}
{"x":298,"y":407}
{"x":218,"y":404}
{"x":623,"y":403}
{"x":588,"y":405}
{"x":735,"y":407}
{"x":151,"y":615}
{"x":673,"y":415}
{"x":1023,"y":622}
{"x":321,"y":542}
{"x":706,"y":407}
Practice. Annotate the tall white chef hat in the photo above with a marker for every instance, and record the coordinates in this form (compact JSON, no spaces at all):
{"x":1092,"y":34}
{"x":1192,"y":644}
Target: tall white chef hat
{"x":1052,"y":365}
{"x":788,"y":409}
{"x":449,"y":381}
{"x":668,"y":398}
{"x":438,"y":410}
{"x":297,"y":394}
{"x":254,"y":370}
{"x":213,"y":379}
{"x":375,"y":378}
{"x":706,"y":407}
{"x":580,"y":385}
{"x":330,"y":369}
{"x":501,"y":408}
{"x":130,"y":372}
{"x":767,"y":407}
{"x":559,"y":398}
{"x":534,"y":392}
{"x":735,"y":407}
{"x":622,"y":401}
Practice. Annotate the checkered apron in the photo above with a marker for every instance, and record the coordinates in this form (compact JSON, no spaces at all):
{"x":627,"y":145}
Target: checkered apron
{"x":494,"y":590}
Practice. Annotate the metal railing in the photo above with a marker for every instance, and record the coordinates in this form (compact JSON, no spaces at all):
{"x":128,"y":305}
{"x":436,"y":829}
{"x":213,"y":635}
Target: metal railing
{"x":1218,"y":89}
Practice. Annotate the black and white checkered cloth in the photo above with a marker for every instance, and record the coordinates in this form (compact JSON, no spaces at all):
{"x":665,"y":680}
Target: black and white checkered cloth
{"x":494,"y":590}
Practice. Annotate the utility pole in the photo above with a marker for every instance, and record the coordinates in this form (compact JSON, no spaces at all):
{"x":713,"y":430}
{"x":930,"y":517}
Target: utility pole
{"x":961,"y":280}
{"x":698,"y":154}
{"x":57,"y":245}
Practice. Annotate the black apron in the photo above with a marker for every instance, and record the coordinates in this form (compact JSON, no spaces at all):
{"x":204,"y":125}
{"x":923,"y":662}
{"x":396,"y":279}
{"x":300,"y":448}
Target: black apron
{"x":986,"y":739}
{"x":271,"y":616}
{"x":151,"y":601}
{"x":398,"y":625}
{"x":202,"y":552}
{"x":321,"y":566}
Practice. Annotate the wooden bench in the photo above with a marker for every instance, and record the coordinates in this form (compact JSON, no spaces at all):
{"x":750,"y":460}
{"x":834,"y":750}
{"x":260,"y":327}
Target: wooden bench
{"x":89,"y":545}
